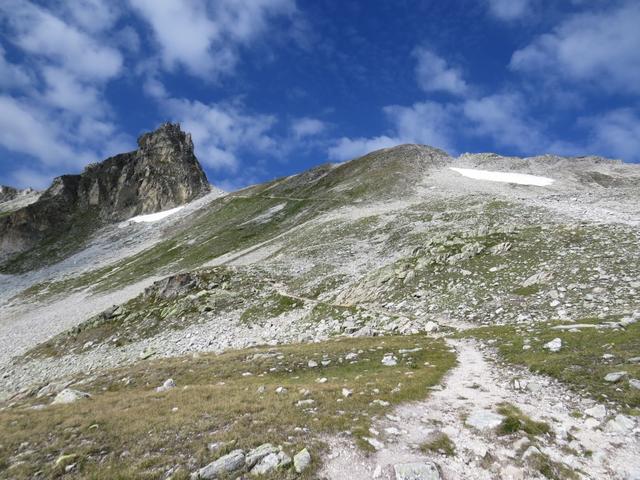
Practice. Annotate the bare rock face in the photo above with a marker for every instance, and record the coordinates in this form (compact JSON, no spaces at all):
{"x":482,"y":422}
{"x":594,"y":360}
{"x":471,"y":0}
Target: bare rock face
{"x":161,"y":174}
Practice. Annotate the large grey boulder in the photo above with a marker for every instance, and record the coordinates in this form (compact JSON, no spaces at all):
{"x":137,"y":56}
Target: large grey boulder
{"x":230,"y":463}
{"x":417,"y":471}
{"x":257,"y":454}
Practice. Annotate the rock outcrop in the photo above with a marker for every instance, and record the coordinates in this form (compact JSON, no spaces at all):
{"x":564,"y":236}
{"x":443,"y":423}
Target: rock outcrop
{"x":161,"y":174}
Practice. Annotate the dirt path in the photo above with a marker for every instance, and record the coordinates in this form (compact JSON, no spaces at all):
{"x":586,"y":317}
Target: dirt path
{"x":591,"y":448}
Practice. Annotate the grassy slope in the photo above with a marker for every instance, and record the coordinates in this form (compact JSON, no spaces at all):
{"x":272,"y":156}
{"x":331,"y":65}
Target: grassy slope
{"x":217,"y":403}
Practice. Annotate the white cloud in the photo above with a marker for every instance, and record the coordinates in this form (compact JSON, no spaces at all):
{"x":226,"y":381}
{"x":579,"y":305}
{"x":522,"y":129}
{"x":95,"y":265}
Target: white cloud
{"x":203,"y":36}
{"x":41,"y":34}
{"x":509,"y":9}
{"x":598,"y":48}
{"x":503,"y":118}
{"x":348,"y":148}
{"x":617,"y":134}
{"x":306,"y":127}
{"x":434,"y":74}
{"x":12,"y":75}
{"x":220,"y":131}
{"x":428,"y":123}
{"x":28,"y":130}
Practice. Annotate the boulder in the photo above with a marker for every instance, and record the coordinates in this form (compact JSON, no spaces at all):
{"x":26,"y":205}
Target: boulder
{"x":614,"y":377}
{"x":257,"y":454}
{"x":69,"y":395}
{"x":301,"y":460}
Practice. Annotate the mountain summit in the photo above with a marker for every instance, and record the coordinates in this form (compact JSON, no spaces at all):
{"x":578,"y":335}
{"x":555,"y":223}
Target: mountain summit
{"x":161,"y":174}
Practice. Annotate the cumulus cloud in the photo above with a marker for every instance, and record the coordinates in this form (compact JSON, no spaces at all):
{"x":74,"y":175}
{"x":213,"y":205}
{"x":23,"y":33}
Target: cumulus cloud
{"x":428,"y":123}
{"x":434,"y":74}
{"x":40,"y":33}
{"x":597,"y":48}
{"x":306,"y":127}
{"x":503,"y":118}
{"x":12,"y":75}
{"x":204,"y":37}
{"x":509,"y":9}
{"x":221,"y":132}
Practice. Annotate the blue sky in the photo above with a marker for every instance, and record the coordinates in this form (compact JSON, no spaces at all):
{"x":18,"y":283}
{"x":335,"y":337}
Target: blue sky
{"x":272,"y":87}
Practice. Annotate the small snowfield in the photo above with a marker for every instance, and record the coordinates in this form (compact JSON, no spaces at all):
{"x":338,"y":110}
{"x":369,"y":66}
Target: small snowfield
{"x":154,"y":217}
{"x":505,"y":177}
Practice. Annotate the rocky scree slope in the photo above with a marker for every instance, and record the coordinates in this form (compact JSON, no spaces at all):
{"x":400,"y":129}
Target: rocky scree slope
{"x":389,"y":255}
{"x":161,"y":174}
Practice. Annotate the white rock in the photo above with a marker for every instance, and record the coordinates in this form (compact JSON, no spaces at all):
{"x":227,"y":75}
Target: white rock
{"x":377,"y":444}
{"x":554,"y":345}
{"x":484,"y":420}
{"x":599,"y":412}
{"x":167,"y":385}
{"x":635,"y":383}
{"x":346,"y":392}
{"x":620,"y":424}
{"x":301,"y":460}
{"x":389,"y":360}
{"x":614,"y":376}
{"x":229,"y":463}
{"x":69,"y":395}
{"x":312,"y":364}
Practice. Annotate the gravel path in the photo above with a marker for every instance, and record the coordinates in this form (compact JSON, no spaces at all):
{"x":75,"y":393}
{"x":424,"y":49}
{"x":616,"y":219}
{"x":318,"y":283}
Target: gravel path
{"x":474,"y":388}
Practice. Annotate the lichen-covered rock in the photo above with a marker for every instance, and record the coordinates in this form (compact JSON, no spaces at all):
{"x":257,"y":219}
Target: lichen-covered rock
{"x":232,"y":462}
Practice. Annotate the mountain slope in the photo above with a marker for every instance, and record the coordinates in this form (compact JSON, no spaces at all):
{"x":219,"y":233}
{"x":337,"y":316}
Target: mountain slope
{"x":398,"y":252}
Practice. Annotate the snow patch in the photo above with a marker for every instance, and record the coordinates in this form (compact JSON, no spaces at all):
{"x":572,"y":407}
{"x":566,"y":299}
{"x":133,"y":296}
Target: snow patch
{"x":507,"y":177}
{"x":155,"y":217}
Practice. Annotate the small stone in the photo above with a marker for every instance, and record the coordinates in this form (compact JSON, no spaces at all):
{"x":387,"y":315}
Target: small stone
{"x":281,"y":390}
{"x":305,"y":403}
{"x":346,"y":392}
{"x":375,"y":443}
{"x":554,"y":345}
{"x":312,"y":364}
{"x":417,"y":471}
{"x":301,"y":460}
{"x":531,"y":451}
{"x":614,"y":377}
{"x":322,"y":380}
{"x":634,"y":383}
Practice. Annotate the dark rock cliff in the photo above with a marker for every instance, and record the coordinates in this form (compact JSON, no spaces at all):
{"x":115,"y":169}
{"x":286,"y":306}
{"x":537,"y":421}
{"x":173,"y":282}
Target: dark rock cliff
{"x":161,"y":174}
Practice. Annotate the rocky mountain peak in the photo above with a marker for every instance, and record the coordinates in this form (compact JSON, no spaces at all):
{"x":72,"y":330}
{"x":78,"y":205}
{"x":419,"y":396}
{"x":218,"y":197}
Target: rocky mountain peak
{"x":167,"y":139}
{"x":161,"y":174}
